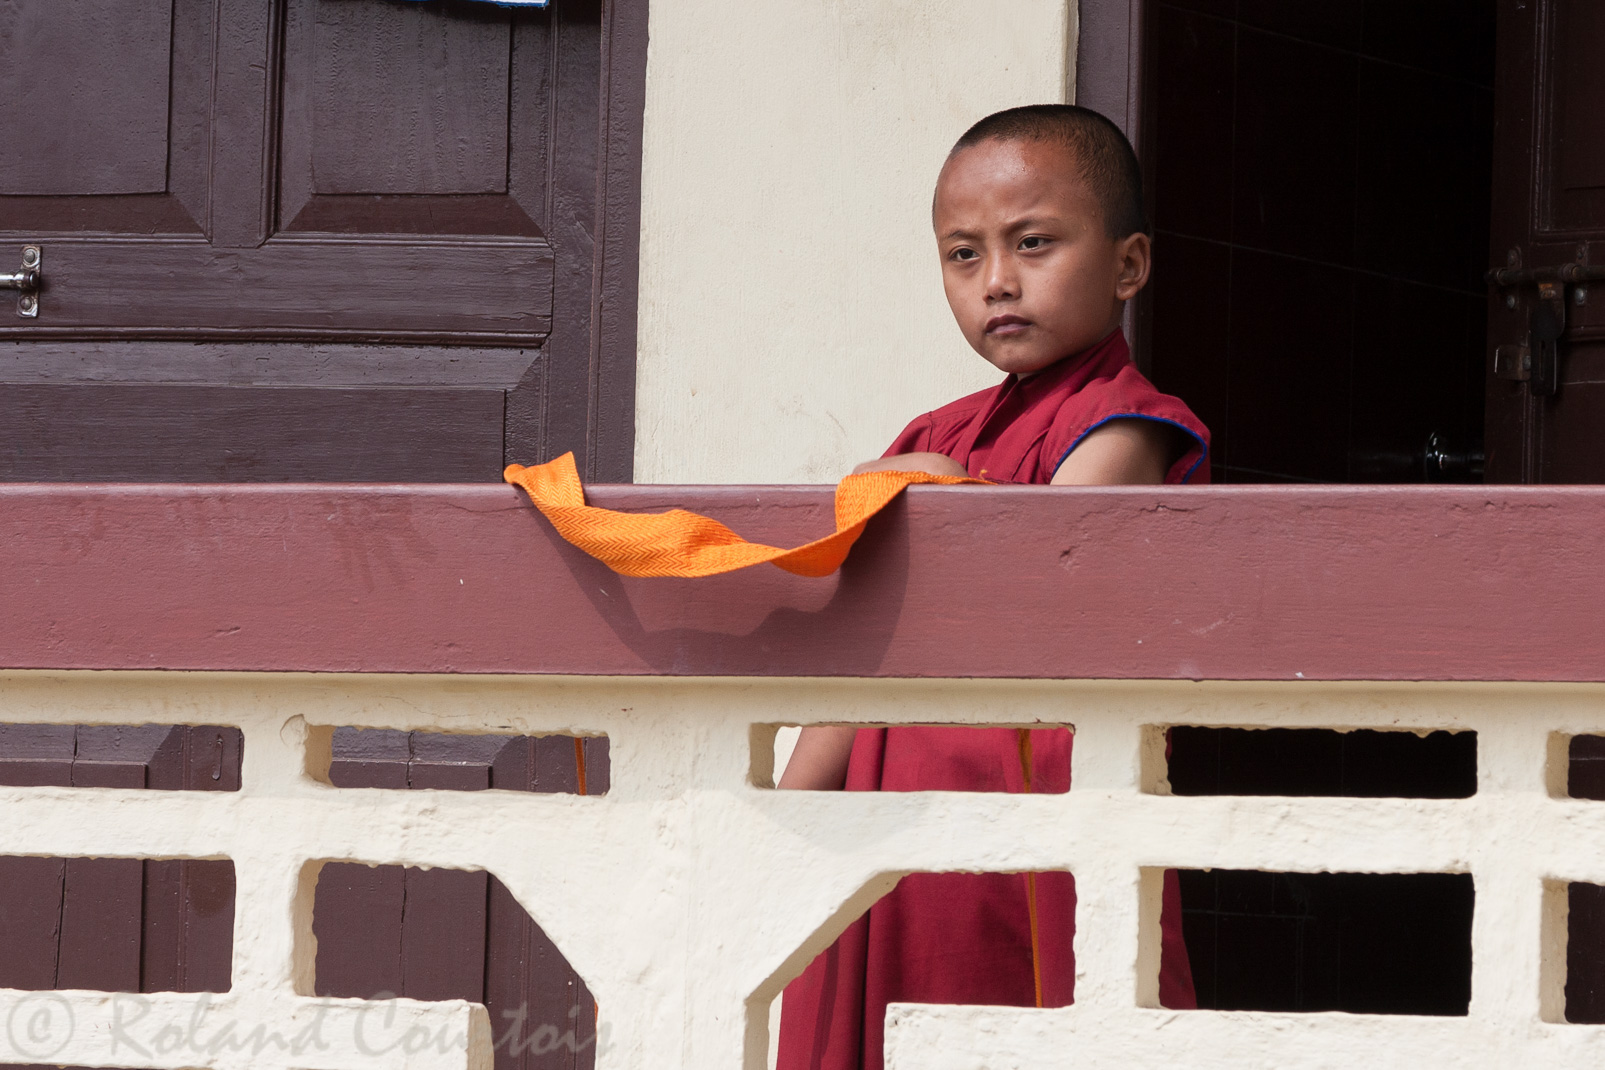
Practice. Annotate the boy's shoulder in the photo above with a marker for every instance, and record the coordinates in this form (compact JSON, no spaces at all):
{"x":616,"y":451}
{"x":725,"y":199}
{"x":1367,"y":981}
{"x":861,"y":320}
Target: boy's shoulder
{"x":964,"y":408}
{"x":938,"y":429}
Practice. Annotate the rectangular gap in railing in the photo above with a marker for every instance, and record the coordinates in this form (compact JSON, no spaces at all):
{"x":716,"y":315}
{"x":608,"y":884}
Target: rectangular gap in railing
{"x":442,"y":934}
{"x":1585,"y":767}
{"x":1365,"y":943}
{"x":116,"y":924}
{"x":1001,"y":939}
{"x":1585,"y":954}
{"x":159,"y":756}
{"x":386,"y":758}
{"x":930,"y":757}
{"x":1362,"y":763}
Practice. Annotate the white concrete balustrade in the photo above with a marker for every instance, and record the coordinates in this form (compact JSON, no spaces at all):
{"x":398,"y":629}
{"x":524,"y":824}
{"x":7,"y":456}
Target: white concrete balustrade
{"x":691,"y":893}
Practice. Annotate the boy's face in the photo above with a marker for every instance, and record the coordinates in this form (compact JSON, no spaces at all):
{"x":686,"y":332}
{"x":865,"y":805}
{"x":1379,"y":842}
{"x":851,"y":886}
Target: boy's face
{"x":1030,"y":271}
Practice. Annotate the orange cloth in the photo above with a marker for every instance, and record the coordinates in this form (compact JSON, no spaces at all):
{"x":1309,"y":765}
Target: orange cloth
{"x":681,"y":543}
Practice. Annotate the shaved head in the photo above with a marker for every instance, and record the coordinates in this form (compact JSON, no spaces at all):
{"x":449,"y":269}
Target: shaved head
{"x":1099,"y":152}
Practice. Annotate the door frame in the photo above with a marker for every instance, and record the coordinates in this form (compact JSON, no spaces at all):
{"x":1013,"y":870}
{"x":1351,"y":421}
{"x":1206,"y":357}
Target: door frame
{"x":609,"y":424}
{"x":1108,"y":79}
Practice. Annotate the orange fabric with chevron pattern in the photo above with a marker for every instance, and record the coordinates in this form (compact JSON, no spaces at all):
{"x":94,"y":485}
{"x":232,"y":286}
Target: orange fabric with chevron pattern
{"x":682,"y":543}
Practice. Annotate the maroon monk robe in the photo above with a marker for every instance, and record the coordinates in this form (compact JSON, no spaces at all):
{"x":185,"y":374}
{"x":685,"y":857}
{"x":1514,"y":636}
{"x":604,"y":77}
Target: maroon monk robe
{"x":1021,"y":430}
{"x":964,"y":937}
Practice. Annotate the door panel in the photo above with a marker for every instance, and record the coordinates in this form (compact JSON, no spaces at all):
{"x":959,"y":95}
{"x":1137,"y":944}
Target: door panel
{"x":1549,"y":212}
{"x":109,"y":68}
{"x":402,"y":118}
{"x":271,"y":194}
{"x":296,"y":288}
{"x":1577,"y":87}
{"x":370,"y":147}
{"x":132,"y":433}
{"x":376,"y":126}
{"x":441,"y":80}
{"x":103,"y":112}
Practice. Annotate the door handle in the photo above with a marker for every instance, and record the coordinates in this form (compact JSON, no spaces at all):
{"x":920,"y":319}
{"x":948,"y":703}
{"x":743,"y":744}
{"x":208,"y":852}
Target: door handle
{"x":1441,"y":463}
{"x":26,"y":281}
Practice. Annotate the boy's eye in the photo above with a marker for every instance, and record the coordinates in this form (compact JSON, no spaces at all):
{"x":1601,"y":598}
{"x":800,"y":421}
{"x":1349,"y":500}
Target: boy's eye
{"x":963,"y":253}
{"x":1033,"y":241}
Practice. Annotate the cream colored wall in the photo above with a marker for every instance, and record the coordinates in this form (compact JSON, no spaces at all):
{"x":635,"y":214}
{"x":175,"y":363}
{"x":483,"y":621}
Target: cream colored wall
{"x":792,"y":319}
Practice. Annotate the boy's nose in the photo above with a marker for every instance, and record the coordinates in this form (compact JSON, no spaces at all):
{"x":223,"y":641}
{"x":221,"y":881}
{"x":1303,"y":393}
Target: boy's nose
{"x":1001,"y":281}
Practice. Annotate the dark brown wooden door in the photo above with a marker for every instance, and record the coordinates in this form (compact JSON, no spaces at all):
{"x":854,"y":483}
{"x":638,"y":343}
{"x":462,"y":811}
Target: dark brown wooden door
{"x":1546,"y":332}
{"x":317,"y":239}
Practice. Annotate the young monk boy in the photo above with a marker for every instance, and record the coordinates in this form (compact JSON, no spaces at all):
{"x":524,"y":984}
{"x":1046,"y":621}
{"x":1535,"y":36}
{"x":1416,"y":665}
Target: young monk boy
{"x":1040,"y":225}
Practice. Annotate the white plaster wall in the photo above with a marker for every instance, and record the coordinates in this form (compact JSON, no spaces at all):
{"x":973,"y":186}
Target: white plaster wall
{"x":688,"y":895}
{"x":792,"y":318}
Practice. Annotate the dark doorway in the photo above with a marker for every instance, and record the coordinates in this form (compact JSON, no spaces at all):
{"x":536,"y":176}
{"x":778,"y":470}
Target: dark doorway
{"x":1319,"y":177}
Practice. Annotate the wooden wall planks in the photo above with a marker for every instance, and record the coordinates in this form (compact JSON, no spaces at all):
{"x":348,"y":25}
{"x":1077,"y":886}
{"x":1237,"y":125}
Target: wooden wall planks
{"x":456,"y":934}
{"x":167,"y":925}
{"x":118,"y":924}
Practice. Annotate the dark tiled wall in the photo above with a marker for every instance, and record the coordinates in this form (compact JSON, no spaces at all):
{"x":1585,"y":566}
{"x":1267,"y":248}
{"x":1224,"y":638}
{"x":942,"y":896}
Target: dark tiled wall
{"x":1319,"y":177}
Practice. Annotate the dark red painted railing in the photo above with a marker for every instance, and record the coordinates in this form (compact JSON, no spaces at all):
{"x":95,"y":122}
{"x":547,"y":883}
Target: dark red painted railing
{"x":1495,"y":583}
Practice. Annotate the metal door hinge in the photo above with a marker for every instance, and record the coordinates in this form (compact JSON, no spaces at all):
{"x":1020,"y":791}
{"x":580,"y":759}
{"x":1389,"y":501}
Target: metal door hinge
{"x":27,"y":281}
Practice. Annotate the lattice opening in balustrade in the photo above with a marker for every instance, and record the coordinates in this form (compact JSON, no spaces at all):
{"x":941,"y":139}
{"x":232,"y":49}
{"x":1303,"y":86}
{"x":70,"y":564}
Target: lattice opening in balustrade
{"x":1364,"y":943}
{"x":386,"y":758}
{"x":117,"y":924}
{"x":1307,"y":762}
{"x":444,"y":934}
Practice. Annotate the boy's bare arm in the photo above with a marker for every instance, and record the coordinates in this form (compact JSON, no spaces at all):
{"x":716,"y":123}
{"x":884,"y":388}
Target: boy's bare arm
{"x":819,"y":762}
{"x":937,"y":464}
{"x":1132,"y":452}
{"x":1121,"y":452}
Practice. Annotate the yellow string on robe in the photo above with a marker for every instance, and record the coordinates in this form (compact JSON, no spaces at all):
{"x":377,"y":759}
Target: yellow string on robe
{"x":1026,"y":764}
{"x":681,"y":543}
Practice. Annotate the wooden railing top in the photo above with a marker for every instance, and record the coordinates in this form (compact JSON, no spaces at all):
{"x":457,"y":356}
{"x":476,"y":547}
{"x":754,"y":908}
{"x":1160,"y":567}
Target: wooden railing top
{"x":1335,"y":582}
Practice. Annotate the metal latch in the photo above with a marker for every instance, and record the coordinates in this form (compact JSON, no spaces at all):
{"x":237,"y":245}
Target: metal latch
{"x":1547,"y":324}
{"x":27,"y":281}
{"x":1514,"y":362}
{"x":1538,"y":359}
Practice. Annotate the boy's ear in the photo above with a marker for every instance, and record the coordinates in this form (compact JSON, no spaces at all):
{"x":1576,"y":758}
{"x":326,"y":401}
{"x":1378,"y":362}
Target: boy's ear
{"x":1135,"y":253}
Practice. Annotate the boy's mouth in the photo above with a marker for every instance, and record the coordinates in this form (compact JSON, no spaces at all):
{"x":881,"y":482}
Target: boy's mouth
{"x":1006,"y":325}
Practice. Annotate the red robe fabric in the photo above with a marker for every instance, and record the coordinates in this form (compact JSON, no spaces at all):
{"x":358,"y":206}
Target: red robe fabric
{"x":1021,"y":430}
{"x":964,"y":937}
